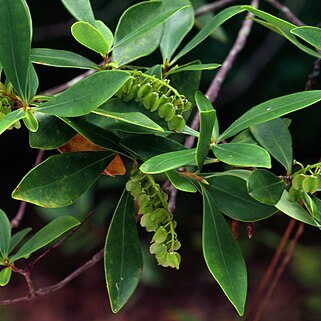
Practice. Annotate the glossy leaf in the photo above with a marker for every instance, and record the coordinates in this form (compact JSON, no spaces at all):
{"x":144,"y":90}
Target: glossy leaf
{"x":90,"y":37}
{"x":5,"y":276}
{"x":32,"y":82}
{"x":244,"y":137}
{"x":61,"y":179}
{"x":122,"y":257}
{"x":282,"y":27}
{"x":155,"y":71}
{"x":5,"y":234}
{"x":242,"y":155}
{"x":95,"y":134}
{"x":312,"y":35}
{"x":168,"y":161}
{"x":10,"y":119}
{"x":18,"y":237}
{"x":207,"y":119}
{"x":275,"y":137}
{"x":187,"y":83}
{"x":208,"y":29}
{"x":265,"y":187}
{"x":222,"y":254}
{"x":31,"y":121}
{"x":181,"y":182}
{"x":52,"y":133}
{"x":80,"y":10}
{"x":294,"y":210}
{"x":134,"y":118}
{"x":60,"y":58}
{"x":232,"y":198}
{"x":46,"y":235}
{"x":15,"y":40}
{"x":139,"y":31}
{"x":147,"y":146}
{"x":105,"y":31}
{"x":273,"y":109}
{"x":86,"y":95}
{"x":176,"y":28}
{"x":197,"y":67}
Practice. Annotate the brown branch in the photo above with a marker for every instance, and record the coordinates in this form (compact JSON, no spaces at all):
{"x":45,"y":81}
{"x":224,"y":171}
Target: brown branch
{"x":15,"y":222}
{"x":271,"y":268}
{"x":286,"y":11}
{"x":312,"y":78}
{"x":53,"y":288}
{"x":279,"y":272}
{"x":212,"y":6}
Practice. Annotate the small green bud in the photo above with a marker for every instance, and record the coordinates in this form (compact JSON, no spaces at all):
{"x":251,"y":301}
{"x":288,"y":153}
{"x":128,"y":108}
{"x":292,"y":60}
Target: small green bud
{"x":167,"y":111}
{"x":173,"y":259}
{"x":177,"y":123}
{"x":160,"y":236}
{"x":297,"y":181}
{"x":310,"y":184}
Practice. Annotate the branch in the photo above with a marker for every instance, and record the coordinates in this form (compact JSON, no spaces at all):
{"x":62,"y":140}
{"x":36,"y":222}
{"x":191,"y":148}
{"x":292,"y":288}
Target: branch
{"x":15,"y":222}
{"x":286,"y":11}
{"x":212,"y":6}
{"x":53,"y":288}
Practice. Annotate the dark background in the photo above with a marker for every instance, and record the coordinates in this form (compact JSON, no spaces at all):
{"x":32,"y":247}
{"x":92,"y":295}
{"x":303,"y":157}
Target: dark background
{"x":267,"y":68}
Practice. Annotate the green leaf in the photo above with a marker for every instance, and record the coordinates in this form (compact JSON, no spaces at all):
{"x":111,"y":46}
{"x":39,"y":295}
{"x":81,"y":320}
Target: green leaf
{"x":275,"y":137}
{"x":180,"y":182}
{"x":133,"y":118}
{"x":312,"y":35}
{"x":139,"y":31}
{"x":46,"y":235}
{"x":168,"y":161}
{"x":231,"y":197}
{"x":105,"y":31}
{"x":244,"y":137}
{"x":281,"y":27}
{"x":90,"y":37}
{"x":15,"y":40}
{"x":265,"y":187}
{"x":197,"y":67}
{"x":222,"y":254}
{"x":5,"y":276}
{"x":52,"y":133}
{"x":61,"y":179}
{"x":187,"y":83}
{"x":80,"y":10}
{"x":243,"y":155}
{"x":207,"y":119}
{"x":122,"y":257}
{"x":208,"y":29}
{"x":294,"y":210}
{"x":273,"y":109}
{"x":60,"y":58}
{"x":32,"y":82}
{"x":155,"y":71}
{"x":18,"y":237}
{"x":147,"y":146}
{"x":10,"y":119}
{"x":31,"y":121}
{"x":5,"y":234}
{"x":176,"y":28}
{"x":86,"y":95}
{"x":96,"y":135}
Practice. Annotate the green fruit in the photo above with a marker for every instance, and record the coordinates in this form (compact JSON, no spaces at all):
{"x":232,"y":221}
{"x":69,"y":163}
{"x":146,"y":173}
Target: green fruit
{"x":132,"y":94}
{"x":177,"y":123}
{"x":144,"y":90}
{"x":173,"y":259}
{"x":167,"y":111}
{"x":128,"y":85}
{"x":150,"y":101}
{"x":297,"y":181}
{"x":160,"y":236}
{"x":295,"y":195}
{"x":310,"y":184}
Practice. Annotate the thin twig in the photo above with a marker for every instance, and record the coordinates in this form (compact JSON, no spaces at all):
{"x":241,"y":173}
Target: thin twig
{"x":50,"y":289}
{"x":15,"y":222}
{"x":286,"y":11}
{"x":279,"y":272}
{"x":239,"y":44}
{"x":212,"y":6}
{"x":271,"y":268}
{"x":314,"y":75}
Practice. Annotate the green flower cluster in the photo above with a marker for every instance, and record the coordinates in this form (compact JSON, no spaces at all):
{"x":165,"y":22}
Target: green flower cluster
{"x":152,"y":203}
{"x":156,"y":94}
{"x":302,"y":183}
{"x":7,"y":102}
